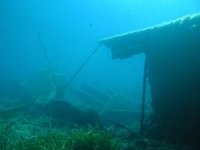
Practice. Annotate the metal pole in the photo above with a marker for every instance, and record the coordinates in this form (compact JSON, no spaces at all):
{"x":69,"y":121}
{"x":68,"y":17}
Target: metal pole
{"x":81,"y":67}
{"x":48,"y":60}
{"x":143,"y":97}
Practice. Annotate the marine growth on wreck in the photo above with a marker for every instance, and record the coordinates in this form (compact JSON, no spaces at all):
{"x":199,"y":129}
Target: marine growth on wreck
{"x":172,"y":52}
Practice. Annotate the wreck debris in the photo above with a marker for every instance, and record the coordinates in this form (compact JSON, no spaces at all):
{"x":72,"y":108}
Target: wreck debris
{"x":172,"y":51}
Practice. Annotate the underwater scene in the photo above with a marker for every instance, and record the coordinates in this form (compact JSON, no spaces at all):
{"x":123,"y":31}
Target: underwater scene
{"x":99,"y":75}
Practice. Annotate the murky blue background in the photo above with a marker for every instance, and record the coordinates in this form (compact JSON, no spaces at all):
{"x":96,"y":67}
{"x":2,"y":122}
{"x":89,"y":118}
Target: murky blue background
{"x":70,"y":30}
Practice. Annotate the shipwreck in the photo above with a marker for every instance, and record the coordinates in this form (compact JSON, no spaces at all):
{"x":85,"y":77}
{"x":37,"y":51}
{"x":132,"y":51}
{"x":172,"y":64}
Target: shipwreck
{"x":172,"y":65}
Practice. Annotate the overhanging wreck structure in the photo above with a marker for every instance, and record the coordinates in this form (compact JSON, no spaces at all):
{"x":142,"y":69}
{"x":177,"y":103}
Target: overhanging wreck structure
{"x":172,"y":53}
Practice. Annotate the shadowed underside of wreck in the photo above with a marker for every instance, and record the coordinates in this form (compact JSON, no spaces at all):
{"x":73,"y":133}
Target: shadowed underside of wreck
{"x":172,"y":53}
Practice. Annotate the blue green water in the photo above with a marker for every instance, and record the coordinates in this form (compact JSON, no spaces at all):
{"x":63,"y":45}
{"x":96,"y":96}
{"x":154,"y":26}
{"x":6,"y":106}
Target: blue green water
{"x":70,"y":30}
